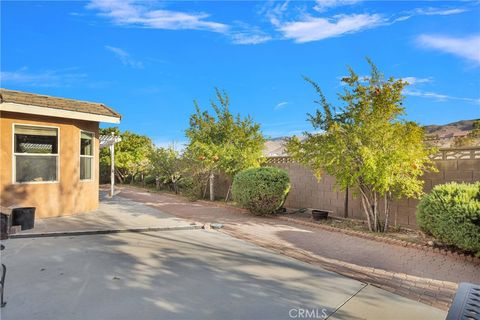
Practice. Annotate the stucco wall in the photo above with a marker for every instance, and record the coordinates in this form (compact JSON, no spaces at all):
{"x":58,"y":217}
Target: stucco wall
{"x":67,"y":196}
{"x":462,"y":165}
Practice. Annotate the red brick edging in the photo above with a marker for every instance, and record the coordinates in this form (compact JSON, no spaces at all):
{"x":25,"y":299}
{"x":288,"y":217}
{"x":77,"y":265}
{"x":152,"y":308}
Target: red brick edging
{"x":429,"y":291}
{"x":360,"y":234}
{"x":398,"y":242}
{"x":432,"y":292}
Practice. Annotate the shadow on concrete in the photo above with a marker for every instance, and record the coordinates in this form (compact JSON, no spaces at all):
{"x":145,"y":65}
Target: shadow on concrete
{"x":169,"y":275}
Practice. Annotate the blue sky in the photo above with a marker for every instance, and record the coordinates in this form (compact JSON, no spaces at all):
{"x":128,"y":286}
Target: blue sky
{"x":150,"y":59}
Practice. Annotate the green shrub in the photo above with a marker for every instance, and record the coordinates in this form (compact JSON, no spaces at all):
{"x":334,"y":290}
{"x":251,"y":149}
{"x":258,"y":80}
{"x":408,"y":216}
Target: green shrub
{"x":150,"y":180}
{"x":261,"y":190}
{"x":451,"y":213}
{"x":192,"y":187}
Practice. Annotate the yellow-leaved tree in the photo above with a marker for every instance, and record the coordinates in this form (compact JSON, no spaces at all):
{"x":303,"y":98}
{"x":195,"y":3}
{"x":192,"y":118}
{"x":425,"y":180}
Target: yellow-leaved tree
{"x":366,"y":145}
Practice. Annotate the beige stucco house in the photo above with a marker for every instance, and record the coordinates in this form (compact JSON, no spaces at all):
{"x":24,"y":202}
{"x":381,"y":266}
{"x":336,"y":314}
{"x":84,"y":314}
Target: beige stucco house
{"x":49,"y":152}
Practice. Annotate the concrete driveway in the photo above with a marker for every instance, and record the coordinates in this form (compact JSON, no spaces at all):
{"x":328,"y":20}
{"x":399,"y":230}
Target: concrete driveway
{"x":191,"y":274}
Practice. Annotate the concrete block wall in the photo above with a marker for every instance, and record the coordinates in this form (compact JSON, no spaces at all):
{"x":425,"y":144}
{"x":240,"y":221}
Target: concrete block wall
{"x":222,"y":184}
{"x":461,"y":165}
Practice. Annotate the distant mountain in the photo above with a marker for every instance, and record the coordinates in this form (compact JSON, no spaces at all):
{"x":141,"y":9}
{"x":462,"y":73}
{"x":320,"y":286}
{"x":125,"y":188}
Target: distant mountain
{"x":445,"y":135}
{"x":275,"y":147}
{"x":440,"y":135}
{"x":463,"y":125}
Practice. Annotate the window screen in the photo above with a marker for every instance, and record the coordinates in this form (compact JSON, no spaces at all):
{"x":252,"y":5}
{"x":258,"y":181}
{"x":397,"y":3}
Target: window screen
{"x":35,"y":153}
{"x":86,"y":155}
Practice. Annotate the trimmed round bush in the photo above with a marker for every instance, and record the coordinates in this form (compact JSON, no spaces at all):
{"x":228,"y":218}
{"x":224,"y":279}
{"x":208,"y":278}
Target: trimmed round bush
{"x":261,"y":190}
{"x":451,"y":213}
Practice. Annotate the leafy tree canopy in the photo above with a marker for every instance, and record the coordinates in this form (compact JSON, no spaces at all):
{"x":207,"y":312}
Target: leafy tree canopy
{"x":166,"y":166}
{"x":365,"y":144}
{"x":131,"y":154}
{"x":222,"y":140}
{"x":471,"y":139}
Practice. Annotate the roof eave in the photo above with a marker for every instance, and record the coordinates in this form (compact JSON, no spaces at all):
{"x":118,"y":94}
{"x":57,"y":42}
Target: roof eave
{"x":59,"y":113}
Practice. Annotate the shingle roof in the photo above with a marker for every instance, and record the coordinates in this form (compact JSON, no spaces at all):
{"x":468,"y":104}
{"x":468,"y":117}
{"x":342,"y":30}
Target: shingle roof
{"x":56,"y":103}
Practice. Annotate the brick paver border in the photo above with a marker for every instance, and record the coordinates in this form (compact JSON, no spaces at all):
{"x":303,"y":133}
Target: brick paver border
{"x":457,"y":255}
{"x":380,"y":238}
{"x":432,"y":292}
{"x":428,"y":291}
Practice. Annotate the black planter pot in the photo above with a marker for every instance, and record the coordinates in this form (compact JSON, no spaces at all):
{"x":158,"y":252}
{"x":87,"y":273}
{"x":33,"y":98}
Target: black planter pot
{"x":319,"y":215}
{"x":281,"y":210}
{"x":24,"y":217}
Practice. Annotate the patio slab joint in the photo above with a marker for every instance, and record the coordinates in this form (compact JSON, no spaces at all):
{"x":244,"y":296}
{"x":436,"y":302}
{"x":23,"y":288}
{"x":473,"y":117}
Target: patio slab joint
{"x":101,"y":231}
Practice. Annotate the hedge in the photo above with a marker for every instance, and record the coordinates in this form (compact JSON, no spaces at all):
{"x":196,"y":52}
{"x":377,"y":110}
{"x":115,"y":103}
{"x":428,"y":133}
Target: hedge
{"x":451,"y":213}
{"x":261,"y":190}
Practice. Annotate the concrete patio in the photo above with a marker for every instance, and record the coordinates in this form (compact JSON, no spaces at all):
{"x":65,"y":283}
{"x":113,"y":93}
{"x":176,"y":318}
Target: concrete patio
{"x":113,"y":214}
{"x":175,"y":274}
{"x":193,"y":274}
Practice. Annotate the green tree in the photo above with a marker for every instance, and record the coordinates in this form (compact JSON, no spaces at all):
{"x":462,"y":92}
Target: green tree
{"x":131,"y":154}
{"x":366,"y":145}
{"x":223,"y":142}
{"x":195,"y":176}
{"x":104,"y":156}
{"x":471,"y":138}
{"x":166,"y":166}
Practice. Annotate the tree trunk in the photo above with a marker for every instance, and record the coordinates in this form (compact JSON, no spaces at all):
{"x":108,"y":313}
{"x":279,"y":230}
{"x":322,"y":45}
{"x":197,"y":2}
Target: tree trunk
{"x":212,"y":187}
{"x":387,"y":211}
{"x":205,"y":189}
{"x":157,"y":183}
{"x":345,"y":211}
{"x":174,"y":180}
{"x":133,"y":178}
{"x":367,"y":207}
{"x":366,"y":210}
{"x":395,"y":219}
{"x":119,"y":175}
{"x":228,"y":192}
{"x":175,"y":187}
{"x":375,"y":212}
{"x":143,"y":180}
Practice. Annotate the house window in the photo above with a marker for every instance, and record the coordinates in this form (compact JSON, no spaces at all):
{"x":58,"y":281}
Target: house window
{"x":86,"y":155}
{"x":35,"y":153}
